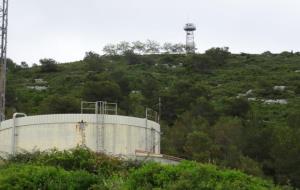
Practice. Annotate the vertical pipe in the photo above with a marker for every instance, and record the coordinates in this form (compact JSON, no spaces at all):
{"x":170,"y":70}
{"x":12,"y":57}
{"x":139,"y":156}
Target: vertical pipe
{"x":114,"y":138}
{"x":159,"y":109}
{"x":97,"y":127}
{"x":14,"y":134}
{"x":103,"y":127}
{"x":146,"y":131}
{"x":128,"y":140}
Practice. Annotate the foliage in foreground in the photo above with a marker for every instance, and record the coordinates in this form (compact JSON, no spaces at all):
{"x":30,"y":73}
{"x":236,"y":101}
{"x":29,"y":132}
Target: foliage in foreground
{"x":192,"y":175}
{"x":83,"y":169}
{"x":17,"y":176}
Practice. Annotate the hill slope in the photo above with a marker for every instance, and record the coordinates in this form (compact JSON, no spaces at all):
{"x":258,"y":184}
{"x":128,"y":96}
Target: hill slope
{"x":237,"y":111}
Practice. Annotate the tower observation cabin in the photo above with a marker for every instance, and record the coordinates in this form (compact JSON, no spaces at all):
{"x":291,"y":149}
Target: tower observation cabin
{"x":190,"y":41}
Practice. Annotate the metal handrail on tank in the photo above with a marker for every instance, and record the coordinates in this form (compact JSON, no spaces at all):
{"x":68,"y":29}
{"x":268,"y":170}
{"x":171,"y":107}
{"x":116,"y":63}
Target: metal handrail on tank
{"x":100,"y":108}
{"x":152,"y":115}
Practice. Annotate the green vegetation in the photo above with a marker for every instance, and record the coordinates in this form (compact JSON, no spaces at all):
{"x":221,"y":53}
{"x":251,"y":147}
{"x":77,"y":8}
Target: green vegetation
{"x":213,"y":104}
{"x":82,"y":169}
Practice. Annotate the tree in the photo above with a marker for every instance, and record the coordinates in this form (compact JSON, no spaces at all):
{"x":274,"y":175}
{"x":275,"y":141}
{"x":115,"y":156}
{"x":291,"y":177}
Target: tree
{"x":94,"y":62}
{"x":135,"y":102}
{"x":178,"y":48}
{"x":12,"y":66}
{"x":186,"y":94}
{"x":60,"y":104}
{"x":123,"y":47}
{"x":150,"y":89}
{"x":119,"y":76}
{"x":132,"y":58}
{"x":152,"y":47}
{"x":102,"y":91}
{"x":138,"y":47}
{"x":173,"y":48}
{"x":167,"y":47}
{"x":48,"y":65}
{"x":110,"y":49}
{"x":177,"y":143}
{"x":227,"y":135}
{"x":218,"y":55}
{"x":293,"y":119}
{"x":285,"y":154}
{"x":24,"y":65}
{"x":199,"y":63}
{"x":204,"y":108}
{"x":237,"y":107}
{"x":199,"y":146}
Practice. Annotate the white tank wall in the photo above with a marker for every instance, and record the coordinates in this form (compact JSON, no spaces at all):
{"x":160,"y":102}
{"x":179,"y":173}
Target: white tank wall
{"x":122,"y":135}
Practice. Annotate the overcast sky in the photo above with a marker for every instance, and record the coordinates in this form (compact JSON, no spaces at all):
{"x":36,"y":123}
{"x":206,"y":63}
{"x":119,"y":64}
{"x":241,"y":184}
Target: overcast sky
{"x":66,"y":29}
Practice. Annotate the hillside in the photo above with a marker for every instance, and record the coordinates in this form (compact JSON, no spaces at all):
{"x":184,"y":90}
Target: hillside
{"x":82,"y":169}
{"x":236,"y":111}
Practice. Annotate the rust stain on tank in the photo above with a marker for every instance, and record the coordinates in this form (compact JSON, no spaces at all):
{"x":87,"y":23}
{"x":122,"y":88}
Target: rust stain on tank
{"x":80,"y":133}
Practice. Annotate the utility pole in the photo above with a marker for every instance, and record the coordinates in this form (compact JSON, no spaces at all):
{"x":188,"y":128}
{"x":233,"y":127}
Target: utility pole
{"x":159,"y":109}
{"x":3,"y":50}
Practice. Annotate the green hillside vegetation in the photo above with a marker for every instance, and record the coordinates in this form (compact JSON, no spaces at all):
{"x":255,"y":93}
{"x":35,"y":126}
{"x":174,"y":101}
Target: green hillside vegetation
{"x":83,"y":169}
{"x":213,"y":104}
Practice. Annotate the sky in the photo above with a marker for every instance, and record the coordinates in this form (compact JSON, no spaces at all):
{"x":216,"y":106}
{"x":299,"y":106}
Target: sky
{"x":65,"y":29}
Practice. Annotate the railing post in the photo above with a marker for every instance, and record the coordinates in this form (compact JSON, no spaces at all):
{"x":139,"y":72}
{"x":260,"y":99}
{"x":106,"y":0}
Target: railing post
{"x":146,"y":130}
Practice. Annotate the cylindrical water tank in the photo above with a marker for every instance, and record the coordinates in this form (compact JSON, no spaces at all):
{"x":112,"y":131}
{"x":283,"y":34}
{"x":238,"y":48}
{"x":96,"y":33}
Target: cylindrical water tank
{"x":112,"y":134}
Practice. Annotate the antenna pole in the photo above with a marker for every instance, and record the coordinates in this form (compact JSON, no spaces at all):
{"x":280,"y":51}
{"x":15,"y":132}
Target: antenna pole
{"x":3,"y":58}
{"x":159,"y":109}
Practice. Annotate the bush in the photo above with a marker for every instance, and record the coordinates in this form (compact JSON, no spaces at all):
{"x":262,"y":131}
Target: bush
{"x":218,"y":55}
{"x":75,"y":159}
{"x":81,"y":168}
{"x":105,"y":91}
{"x":237,"y":107}
{"x":48,"y":65}
{"x":199,"y":63}
{"x":190,"y":175}
{"x":44,"y":177}
{"x":94,"y":62}
{"x":60,"y":104}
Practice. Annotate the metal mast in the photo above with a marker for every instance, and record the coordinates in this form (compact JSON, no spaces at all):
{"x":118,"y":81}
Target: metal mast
{"x":3,"y":48}
{"x":190,"y":42}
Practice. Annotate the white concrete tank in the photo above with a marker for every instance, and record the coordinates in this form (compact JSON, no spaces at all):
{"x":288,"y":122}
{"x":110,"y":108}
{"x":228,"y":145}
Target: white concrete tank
{"x":111,"y":134}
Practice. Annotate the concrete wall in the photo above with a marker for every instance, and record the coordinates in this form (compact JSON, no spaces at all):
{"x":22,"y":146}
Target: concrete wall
{"x":120,"y":135}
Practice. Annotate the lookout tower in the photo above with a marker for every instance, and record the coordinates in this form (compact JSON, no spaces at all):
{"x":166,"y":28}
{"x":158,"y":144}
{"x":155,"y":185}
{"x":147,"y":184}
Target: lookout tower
{"x":190,"y":42}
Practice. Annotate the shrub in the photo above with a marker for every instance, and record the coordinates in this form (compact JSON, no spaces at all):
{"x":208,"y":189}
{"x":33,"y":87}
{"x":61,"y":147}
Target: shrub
{"x":48,"y":65}
{"x":44,"y":177}
{"x":81,"y":168}
{"x":74,"y":159}
{"x":190,"y":175}
{"x":94,"y":62}
{"x":60,"y":104}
